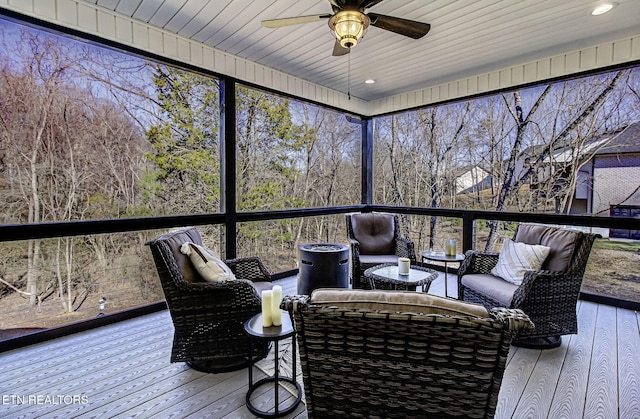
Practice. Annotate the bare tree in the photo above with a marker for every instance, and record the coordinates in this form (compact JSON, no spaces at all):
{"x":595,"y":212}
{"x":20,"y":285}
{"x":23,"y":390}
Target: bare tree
{"x":522,"y":123}
{"x":417,"y":155}
{"x":63,"y":144}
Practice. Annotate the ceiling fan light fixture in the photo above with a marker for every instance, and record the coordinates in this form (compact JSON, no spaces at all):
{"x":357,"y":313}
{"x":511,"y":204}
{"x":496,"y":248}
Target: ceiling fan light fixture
{"x":349,"y":26}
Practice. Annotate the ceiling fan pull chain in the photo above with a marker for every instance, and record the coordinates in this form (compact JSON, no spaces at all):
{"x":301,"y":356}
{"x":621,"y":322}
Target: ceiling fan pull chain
{"x":349,"y":76}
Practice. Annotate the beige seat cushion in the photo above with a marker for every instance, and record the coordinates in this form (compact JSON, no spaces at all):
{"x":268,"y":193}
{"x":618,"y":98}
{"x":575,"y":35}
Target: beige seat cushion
{"x":375,"y":233}
{"x":367,"y":261}
{"x":491,"y":286}
{"x":563,"y":243}
{"x":396,"y":301}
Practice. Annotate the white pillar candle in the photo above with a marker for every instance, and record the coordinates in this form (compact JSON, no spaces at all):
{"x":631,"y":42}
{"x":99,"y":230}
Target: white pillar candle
{"x":276,"y":299}
{"x":403,"y":266}
{"x":266,"y":309}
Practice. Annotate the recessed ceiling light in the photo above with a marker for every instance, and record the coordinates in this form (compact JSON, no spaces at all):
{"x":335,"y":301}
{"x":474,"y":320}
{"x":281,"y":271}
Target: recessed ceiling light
{"x":369,"y":81}
{"x":602,"y":9}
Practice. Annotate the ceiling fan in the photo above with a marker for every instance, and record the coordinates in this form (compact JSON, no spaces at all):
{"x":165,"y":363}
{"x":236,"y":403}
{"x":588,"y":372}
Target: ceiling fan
{"x":349,"y":22}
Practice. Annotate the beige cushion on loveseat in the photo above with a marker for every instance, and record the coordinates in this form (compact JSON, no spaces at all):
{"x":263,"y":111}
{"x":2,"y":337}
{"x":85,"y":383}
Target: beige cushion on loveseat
{"x":562,"y":242}
{"x":396,"y":301}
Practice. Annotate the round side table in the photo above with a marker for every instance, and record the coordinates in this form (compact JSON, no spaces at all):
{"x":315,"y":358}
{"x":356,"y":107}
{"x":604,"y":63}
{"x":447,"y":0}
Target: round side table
{"x":441,"y":257}
{"x":386,"y":276}
{"x":254,"y":330}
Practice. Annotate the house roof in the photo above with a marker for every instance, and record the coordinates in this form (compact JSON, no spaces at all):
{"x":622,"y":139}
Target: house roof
{"x":468,"y":168}
{"x":626,"y":140}
{"x":620,"y":141}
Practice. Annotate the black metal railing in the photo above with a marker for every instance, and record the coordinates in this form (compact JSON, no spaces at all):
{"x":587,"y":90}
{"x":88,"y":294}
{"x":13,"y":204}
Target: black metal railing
{"x":12,"y":232}
{"x":19,"y":232}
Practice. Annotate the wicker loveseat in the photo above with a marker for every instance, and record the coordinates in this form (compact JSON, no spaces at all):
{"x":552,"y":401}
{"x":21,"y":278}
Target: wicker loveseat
{"x":374,"y":239}
{"x":208,"y":317}
{"x":400,"y":354}
{"x":548,"y":296}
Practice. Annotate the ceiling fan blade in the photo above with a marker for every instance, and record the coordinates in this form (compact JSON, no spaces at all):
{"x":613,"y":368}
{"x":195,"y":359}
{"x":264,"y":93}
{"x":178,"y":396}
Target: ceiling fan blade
{"x":341,"y":4}
{"x":410,"y":28}
{"x":365,"y":4}
{"x":288,"y":21}
{"x":339,"y":50}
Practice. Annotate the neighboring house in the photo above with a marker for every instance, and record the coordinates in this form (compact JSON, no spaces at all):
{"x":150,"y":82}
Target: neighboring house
{"x":607,"y":180}
{"x":611,"y":180}
{"x":471,"y":179}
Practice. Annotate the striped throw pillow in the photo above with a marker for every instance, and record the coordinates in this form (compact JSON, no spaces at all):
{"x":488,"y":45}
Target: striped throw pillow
{"x":517,"y":258}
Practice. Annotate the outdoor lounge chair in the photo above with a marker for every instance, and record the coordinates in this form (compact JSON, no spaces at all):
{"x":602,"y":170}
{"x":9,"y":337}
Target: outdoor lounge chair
{"x":374,"y":239}
{"x":208,"y":317}
{"x":400,"y":354}
{"x":549,"y":295}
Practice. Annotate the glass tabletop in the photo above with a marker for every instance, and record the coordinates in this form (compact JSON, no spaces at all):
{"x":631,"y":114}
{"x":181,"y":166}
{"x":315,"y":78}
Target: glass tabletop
{"x":441,"y":256}
{"x":391,"y":272}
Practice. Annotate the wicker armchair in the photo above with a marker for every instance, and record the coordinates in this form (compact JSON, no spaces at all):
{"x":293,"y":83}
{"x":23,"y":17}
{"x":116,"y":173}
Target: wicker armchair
{"x":374,"y":239}
{"x":549,"y":296}
{"x":208,"y":317}
{"x":400,"y":354}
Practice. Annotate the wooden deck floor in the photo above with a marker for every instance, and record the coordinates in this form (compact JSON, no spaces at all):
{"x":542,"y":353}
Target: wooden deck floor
{"x":123,"y":370}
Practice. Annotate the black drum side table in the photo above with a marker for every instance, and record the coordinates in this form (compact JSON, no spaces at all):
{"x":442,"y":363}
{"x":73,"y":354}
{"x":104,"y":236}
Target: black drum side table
{"x":322,"y":265}
{"x":254,"y":329}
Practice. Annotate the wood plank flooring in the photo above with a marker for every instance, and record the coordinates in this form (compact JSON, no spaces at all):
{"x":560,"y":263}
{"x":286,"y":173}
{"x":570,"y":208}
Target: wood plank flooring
{"x":123,"y":370}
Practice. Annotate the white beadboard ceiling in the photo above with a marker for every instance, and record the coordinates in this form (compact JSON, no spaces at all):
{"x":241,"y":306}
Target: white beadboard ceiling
{"x":467,"y":37}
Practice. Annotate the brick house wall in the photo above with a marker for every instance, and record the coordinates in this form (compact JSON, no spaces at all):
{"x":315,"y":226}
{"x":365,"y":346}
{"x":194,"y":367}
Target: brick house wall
{"x":616,"y":181}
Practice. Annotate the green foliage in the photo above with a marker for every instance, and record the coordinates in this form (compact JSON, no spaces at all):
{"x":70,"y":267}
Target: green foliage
{"x":101,"y":205}
{"x":266,"y":158}
{"x":613,"y":244}
{"x":138,"y":211}
{"x":251,"y":231}
{"x":284,"y":237}
{"x":277,"y":119}
{"x":150,"y":186}
{"x":268,"y":195}
{"x":510,"y":227}
{"x":186,"y":147}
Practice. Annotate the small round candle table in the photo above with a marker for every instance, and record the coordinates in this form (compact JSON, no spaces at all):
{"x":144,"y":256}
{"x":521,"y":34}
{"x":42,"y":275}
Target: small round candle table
{"x":256,"y":331}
